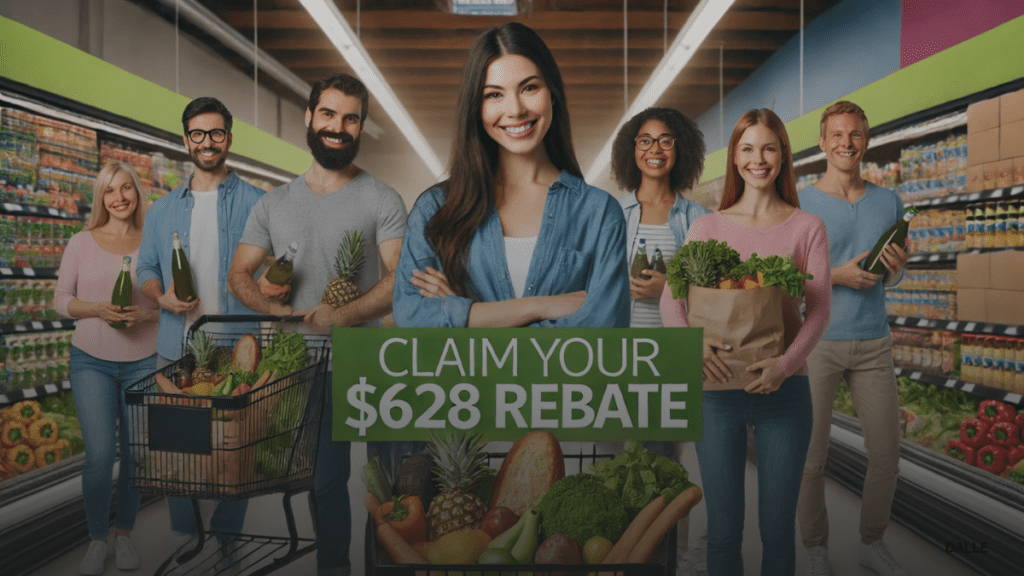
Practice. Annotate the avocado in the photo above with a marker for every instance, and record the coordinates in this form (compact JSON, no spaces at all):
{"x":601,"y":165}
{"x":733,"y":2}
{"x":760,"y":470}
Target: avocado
{"x":416,"y":478}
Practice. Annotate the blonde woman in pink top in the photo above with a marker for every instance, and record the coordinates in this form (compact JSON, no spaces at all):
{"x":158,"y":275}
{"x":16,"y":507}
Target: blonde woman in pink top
{"x":105,"y":360}
{"x":760,"y":213}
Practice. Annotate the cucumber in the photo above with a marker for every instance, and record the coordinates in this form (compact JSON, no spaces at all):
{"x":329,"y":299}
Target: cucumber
{"x":376,"y":480}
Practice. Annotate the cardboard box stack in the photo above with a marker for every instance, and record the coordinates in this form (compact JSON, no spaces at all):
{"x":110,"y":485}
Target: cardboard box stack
{"x":988,"y":287}
{"x":995,"y":142}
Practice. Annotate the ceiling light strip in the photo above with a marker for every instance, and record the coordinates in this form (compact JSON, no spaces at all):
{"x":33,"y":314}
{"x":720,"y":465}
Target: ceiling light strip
{"x":700,"y":23}
{"x":330,"y":20}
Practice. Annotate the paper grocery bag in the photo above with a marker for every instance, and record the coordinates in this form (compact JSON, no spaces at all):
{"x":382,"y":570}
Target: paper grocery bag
{"x":748,"y":320}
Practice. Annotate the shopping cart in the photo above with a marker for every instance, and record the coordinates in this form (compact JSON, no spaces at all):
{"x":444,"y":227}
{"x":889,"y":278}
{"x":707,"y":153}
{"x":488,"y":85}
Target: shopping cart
{"x":232,"y":448}
{"x":378,"y":564}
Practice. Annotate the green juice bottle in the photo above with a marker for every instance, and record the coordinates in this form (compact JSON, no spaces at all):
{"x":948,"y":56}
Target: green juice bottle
{"x":897,"y":234}
{"x":658,"y":262}
{"x":181,"y":272}
{"x":122,"y":295}
{"x":640,"y":261}
{"x":280,"y":272}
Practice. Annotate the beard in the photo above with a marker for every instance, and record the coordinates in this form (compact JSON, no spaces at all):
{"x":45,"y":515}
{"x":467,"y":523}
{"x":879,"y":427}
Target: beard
{"x":208,"y":165}
{"x":332,"y":158}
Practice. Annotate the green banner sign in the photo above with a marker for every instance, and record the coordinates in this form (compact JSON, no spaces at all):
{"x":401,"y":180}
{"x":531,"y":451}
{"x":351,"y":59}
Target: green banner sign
{"x":579,"y":384}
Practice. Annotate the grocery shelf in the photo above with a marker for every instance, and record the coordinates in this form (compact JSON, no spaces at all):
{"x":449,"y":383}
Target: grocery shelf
{"x":27,"y":272}
{"x":12,"y":396}
{"x":983,"y":196}
{"x":972,"y":388}
{"x":37,"y":210}
{"x":932,"y":258}
{"x":36,"y":326}
{"x":958,"y":326}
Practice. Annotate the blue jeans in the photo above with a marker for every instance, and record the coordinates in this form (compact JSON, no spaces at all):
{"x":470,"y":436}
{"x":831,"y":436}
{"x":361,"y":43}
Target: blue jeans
{"x":333,"y":511}
{"x":229,"y":516}
{"x":782,"y":433}
{"x":98,"y":387}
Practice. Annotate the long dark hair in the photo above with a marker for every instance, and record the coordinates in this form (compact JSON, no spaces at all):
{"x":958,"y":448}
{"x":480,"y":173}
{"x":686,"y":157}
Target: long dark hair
{"x":469,"y":190}
{"x":689,"y":150}
{"x":785,"y":182}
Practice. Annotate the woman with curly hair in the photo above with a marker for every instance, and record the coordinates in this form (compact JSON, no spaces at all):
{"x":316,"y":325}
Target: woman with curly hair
{"x":657,"y":155}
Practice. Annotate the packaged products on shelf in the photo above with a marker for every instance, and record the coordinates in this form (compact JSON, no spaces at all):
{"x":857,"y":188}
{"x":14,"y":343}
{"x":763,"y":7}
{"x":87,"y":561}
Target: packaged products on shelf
{"x":938,"y":231}
{"x":34,"y":359}
{"x":933,"y":170}
{"x":995,"y":361}
{"x":938,"y":280}
{"x":931,"y":351}
{"x":930,"y":304}
{"x":26,"y":300}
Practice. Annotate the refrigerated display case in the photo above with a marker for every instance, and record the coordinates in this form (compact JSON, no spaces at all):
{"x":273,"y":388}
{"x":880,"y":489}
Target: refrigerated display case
{"x":965,"y":511}
{"x":50,"y":151}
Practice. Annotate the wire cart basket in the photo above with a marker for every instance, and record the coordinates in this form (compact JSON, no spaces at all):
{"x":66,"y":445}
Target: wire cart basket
{"x":231,"y":448}
{"x":379,"y":564}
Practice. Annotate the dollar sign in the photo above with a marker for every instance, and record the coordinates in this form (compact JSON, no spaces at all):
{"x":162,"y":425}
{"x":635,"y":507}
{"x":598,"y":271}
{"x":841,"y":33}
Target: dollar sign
{"x":357,"y":399}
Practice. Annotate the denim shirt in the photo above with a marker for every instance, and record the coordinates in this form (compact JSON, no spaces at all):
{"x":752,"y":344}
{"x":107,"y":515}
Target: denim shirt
{"x":682,"y":214}
{"x":581,"y":246}
{"x":173,"y":213}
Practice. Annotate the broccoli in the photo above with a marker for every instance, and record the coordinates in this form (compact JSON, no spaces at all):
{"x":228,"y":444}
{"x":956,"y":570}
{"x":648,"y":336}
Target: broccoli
{"x":582,"y":507}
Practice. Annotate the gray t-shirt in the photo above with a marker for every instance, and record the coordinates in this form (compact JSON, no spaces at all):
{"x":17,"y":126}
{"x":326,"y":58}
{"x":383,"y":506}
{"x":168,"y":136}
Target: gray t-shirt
{"x":294,"y":213}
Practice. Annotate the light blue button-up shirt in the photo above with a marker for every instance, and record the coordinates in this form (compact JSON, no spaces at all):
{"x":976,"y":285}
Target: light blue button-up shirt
{"x":173,"y":213}
{"x":581,"y":246}
{"x":682,"y":214}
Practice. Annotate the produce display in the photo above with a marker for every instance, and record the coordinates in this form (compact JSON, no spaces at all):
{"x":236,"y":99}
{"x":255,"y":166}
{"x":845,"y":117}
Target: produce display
{"x":32,"y":359}
{"x":32,"y":242}
{"x":618,"y":512}
{"x":991,"y":440}
{"x":34,"y":435}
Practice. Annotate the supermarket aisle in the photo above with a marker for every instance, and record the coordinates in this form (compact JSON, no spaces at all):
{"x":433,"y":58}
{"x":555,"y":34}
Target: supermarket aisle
{"x":154,"y":542}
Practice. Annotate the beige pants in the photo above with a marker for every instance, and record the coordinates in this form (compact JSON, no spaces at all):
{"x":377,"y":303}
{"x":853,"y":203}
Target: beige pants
{"x":867,"y":368}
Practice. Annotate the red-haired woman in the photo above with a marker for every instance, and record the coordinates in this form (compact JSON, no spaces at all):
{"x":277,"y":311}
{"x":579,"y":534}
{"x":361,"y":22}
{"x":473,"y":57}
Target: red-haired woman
{"x":760,"y":213}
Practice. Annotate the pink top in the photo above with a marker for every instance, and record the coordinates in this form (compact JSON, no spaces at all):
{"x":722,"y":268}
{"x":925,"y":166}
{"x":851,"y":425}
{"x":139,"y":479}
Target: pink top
{"x":801,"y":236}
{"x":88,"y":272}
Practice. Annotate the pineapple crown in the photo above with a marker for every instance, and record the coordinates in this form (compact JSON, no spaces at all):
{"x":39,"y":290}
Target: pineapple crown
{"x":459,"y":460}
{"x":202,"y":347}
{"x":350,"y":258}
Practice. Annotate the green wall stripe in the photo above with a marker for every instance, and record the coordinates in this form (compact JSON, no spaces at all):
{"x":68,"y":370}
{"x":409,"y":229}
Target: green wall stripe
{"x":987,"y":60}
{"x":35,"y":59}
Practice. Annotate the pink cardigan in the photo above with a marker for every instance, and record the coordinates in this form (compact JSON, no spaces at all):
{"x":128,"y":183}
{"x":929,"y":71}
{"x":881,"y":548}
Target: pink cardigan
{"x":88,"y":272}
{"x":801,"y":236}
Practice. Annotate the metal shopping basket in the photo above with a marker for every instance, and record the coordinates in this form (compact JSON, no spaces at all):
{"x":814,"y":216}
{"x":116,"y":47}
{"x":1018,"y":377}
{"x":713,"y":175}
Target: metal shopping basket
{"x":232,"y":447}
{"x":378,"y":564}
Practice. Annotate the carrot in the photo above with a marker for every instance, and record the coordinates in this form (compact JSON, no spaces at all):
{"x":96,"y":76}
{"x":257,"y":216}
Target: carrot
{"x":635,"y":530}
{"x":373,"y":507}
{"x":679,"y":507}
{"x":396,"y":546}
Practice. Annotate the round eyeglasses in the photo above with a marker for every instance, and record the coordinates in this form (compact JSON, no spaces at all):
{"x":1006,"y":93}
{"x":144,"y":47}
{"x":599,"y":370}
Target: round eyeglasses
{"x":217,"y":135}
{"x":646,"y":142}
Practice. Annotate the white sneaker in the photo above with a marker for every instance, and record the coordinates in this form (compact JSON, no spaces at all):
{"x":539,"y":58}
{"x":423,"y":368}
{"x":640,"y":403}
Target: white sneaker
{"x":817,"y":560}
{"x":877,"y":557}
{"x":125,"y":557}
{"x":95,"y":558}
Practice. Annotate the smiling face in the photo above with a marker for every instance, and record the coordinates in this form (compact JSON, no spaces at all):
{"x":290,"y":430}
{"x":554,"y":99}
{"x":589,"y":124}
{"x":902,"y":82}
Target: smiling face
{"x":655,"y":162}
{"x":333,"y":129}
{"x":516,"y":110}
{"x":758,"y":157}
{"x":844,"y":142}
{"x":120,"y":198}
{"x":208,"y":156}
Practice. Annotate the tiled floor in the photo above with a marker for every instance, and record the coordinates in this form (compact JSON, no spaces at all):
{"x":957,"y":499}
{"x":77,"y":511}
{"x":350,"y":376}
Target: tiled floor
{"x":155,"y":543}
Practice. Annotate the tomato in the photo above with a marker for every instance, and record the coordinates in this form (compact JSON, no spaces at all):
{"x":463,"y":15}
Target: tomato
{"x":498,"y":520}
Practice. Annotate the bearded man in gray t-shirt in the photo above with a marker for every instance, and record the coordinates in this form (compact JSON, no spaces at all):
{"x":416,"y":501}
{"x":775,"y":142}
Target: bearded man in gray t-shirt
{"x":320,"y":211}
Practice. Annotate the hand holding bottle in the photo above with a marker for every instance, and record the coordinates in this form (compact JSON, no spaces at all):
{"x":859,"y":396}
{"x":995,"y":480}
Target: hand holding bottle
{"x":851,"y":275}
{"x":274,"y":292}
{"x":133,"y":315}
{"x":649,"y":284}
{"x":894,"y":257}
{"x":169,"y":301}
{"x":111,"y":313}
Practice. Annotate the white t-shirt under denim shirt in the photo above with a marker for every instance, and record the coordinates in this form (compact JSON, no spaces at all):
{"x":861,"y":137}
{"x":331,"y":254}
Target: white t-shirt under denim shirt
{"x":518,"y":253}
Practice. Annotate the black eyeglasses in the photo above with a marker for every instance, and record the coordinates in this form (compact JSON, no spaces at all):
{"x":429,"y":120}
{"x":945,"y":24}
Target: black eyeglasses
{"x":646,"y":142}
{"x":217,"y":135}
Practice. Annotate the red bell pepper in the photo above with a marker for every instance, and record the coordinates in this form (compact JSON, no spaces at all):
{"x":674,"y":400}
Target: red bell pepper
{"x":1018,"y":420}
{"x":957,"y":449}
{"x":996,"y":411}
{"x":992,"y":458}
{"x":1004,"y":434}
{"x":972,"y":432}
{"x":1014,"y":454}
{"x":406,"y":515}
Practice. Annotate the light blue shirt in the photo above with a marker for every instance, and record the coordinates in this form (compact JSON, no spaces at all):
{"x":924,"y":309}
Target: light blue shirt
{"x":173,"y":213}
{"x":852,"y":229}
{"x":682,"y":214}
{"x":581,"y":246}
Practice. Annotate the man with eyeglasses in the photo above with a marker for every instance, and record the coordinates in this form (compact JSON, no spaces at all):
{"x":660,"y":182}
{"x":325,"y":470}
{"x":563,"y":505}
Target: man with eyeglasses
{"x":208,"y":212}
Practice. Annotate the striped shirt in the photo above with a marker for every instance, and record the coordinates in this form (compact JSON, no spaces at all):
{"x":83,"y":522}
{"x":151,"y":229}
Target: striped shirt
{"x":645,"y":313}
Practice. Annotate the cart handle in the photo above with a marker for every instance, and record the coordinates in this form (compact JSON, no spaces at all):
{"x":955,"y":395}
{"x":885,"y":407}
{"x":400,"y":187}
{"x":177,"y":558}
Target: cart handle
{"x":225,"y":318}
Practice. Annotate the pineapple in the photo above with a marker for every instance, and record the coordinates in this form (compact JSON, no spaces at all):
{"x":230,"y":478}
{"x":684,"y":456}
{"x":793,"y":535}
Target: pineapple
{"x":347,"y":264}
{"x":203,"y":375}
{"x":459,"y":466}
